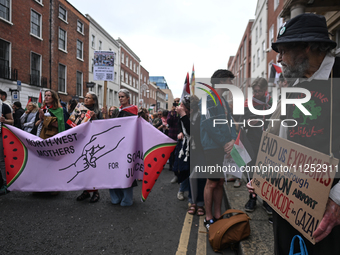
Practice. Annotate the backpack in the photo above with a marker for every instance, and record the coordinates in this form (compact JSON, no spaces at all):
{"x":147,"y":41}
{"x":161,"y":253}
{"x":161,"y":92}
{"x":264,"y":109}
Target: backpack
{"x":228,"y":231}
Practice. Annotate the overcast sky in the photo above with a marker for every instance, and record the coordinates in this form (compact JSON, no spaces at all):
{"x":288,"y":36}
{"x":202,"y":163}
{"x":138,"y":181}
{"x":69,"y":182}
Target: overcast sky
{"x":169,"y":36}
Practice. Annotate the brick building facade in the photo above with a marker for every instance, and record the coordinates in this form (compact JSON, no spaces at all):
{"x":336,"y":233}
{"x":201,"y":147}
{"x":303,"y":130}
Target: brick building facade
{"x":29,"y":48}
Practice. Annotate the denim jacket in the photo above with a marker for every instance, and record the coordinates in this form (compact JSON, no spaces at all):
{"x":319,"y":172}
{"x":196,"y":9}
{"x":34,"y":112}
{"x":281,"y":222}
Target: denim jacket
{"x":216,"y":137}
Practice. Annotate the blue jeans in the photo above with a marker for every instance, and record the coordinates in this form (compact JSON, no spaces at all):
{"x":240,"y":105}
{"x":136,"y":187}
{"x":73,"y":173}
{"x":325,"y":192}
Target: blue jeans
{"x":124,"y":197}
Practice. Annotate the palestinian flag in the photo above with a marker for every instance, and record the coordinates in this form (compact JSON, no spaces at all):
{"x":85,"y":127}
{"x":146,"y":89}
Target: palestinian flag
{"x":29,"y":100}
{"x":242,"y":152}
{"x":186,"y":88}
{"x":40,"y":101}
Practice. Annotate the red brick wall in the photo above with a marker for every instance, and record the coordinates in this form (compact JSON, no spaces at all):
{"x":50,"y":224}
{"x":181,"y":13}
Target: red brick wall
{"x":69,"y":59}
{"x":22,"y":42}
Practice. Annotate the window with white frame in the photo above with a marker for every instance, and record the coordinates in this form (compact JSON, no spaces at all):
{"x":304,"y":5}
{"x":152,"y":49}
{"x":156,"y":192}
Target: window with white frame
{"x":62,"y":78}
{"x":279,"y":23}
{"x":4,"y":59}
{"x":79,"y":88}
{"x":5,"y":11}
{"x":100,"y":94}
{"x":123,"y":57}
{"x":130,"y":80}
{"x":80,"y":27}
{"x":93,"y":41}
{"x":144,"y":78}
{"x":121,"y":74}
{"x":253,"y":63}
{"x":260,"y":27}
{"x":126,"y":78}
{"x":100,"y":45}
{"x":271,"y":34}
{"x":141,"y":76}
{"x":35,"y":23}
{"x":110,"y":97}
{"x":79,"y":49}
{"x":127,"y":60}
{"x":62,"y":39}
{"x":62,"y":13}
{"x":137,"y":84}
{"x":115,"y":78}
{"x":35,"y":69}
{"x":263,"y":49}
{"x":276,"y":4}
{"x":137,"y":69}
{"x":133,"y":82}
{"x":258,"y":57}
{"x":256,"y":35}
{"x":337,"y":37}
{"x":245,"y":47}
{"x":130,"y":64}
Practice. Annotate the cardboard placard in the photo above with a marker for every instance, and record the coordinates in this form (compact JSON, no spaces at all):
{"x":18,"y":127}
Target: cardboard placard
{"x":295,"y":181}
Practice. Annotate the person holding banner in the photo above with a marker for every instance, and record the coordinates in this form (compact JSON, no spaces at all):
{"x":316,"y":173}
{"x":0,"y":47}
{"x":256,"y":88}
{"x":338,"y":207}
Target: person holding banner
{"x":6,"y":117}
{"x":51,"y":120}
{"x":51,"y":116}
{"x":28,"y":118}
{"x":124,"y":197}
{"x":306,"y":55}
{"x":91,"y":103}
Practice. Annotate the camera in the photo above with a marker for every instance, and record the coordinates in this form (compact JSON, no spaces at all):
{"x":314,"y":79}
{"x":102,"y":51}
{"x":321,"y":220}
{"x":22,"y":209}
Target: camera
{"x":175,"y":104}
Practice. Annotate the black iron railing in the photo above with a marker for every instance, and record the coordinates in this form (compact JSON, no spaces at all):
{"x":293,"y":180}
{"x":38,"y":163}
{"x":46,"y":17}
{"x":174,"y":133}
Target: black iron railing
{"x":8,"y":73}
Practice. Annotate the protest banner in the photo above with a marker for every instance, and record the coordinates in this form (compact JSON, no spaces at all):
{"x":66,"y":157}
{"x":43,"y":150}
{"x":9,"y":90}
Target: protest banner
{"x":295,"y":181}
{"x":102,"y":154}
{"x":80,"y":115}
{"x":103,"y":69}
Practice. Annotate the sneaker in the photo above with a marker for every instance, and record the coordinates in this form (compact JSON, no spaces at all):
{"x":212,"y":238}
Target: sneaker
{"x":4,"y":190}
{"x":180,"y":195}
{"x":207,"y":223}
{"x":174,"y":180}
{"x":250,"y":205}
{"x":237,"y":183}
{"x":270,"y":220}
{"x":267,"y":208}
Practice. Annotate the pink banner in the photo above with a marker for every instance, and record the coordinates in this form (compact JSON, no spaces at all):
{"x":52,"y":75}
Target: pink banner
{"x":101,"y":154}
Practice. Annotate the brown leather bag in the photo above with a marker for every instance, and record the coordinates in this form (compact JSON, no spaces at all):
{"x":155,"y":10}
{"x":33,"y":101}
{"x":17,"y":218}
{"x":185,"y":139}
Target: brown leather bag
{"x":228,"y":231}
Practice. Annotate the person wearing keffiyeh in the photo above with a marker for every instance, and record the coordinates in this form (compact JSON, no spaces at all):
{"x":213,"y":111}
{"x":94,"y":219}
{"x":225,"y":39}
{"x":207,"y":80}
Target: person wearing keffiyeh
{"x":124,"y":197}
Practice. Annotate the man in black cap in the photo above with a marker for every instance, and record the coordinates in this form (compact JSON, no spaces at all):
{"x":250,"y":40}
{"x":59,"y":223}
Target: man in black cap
{"x":306,"y":55}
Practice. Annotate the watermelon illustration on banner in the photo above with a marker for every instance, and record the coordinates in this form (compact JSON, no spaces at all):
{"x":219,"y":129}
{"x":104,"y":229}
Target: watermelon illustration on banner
{"x":154,"y":162}
{"x":40,"y":100}
{"x":29,"y":100}
{"x":104,"y":154}
{"x":16,"y":151}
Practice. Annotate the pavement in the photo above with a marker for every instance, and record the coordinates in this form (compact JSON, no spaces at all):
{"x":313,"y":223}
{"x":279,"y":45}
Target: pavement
{"x":261,"y":239}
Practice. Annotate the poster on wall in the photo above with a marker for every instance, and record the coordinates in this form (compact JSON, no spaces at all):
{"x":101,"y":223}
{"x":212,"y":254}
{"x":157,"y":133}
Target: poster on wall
{"x":295,"y":181}
{"x":103,"y":65}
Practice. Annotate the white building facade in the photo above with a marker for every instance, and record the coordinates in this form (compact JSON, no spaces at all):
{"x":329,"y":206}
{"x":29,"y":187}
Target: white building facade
{"x":102,"y":40}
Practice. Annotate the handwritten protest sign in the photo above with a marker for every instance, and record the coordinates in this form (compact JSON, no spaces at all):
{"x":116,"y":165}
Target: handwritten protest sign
{"x":295,"y":181}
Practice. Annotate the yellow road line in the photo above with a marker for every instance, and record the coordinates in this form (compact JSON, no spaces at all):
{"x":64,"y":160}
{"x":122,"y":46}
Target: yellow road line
{"x":184,"y":239}
{"x":201,"y":248}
